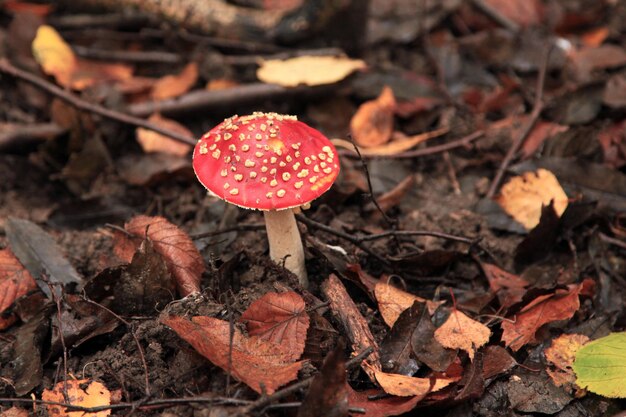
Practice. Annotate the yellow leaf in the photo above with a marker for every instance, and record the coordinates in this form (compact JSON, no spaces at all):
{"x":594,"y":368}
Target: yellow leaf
{"x":407,"y":386}
{"x":523,"y":196}
{"x":151,"y":141}
{"x":307,"y":70}
{"x":93,"y":395}
{"x":393,"y":301}
{"x":461,"y":332}
{"x":54,"y":55}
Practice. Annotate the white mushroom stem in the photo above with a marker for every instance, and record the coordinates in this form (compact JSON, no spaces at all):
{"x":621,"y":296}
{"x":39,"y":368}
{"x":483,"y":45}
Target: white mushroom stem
{"x":285,"y":242}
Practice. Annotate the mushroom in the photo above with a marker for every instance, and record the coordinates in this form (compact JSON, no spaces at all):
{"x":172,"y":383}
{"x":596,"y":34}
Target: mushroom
{"x":270,"y":162}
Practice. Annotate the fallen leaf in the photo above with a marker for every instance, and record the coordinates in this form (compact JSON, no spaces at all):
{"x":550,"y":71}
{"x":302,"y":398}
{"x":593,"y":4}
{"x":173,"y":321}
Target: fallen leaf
{"x":394,"y":147}
{"x":524,"y":12}
{"x":472,"y":383}
{"x":258,"y":363}
{"x":377,"y":404}
{"x":408,"y":386}
{"x":41,"y":255}
{"x":221,"y":84}
{"x":307,"y":70}
{"x":372,"y":125}
{"x":615,"y":91}
{"x":31,"y":338}
{"x":395,"y":349}
{"x":595,"y":37}
{"x":600,"y":366}
{"x":425,"y":347}
{"x":539,"y":241}
{"x":175,"y":85}
{"x":461,"y":332}
{"x":181,"y":255}
{"x":54,"y":55}
{"x":613,"y":142}
{"x":394,"y":196}
{"x":152,"y":141}
{"x":541,"y":132}
{"x":561,"y":354}
{"x":93,"y":395}
{"x":560,"y":305}
{"x":15,"y":412}
{"x":16,"y":6}
{"x":280,"y":318}
{"x":524,"y":196}
{"x":496,"y":361}
{"x":509,"y":288}
{"x":15,"y":282}
{"x":588,"y":59}
{"x":361,"y":278}
{"x":328,"y":394}
{"x":393,"y":301}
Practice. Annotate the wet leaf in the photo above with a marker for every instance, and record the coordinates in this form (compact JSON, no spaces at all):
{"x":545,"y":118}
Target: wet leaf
{"x":408,"y":386}
{"x":152,"y":141}
{"x":424,"y":345}
{"x":377,"y":405}
{"x":15,"y":282}
{"x":560,"y":305}
{"x":182,"y":257}
{"x":254,"y":362}
{"x":175,"y":85}
{"x":373,"y":122}
{"x":40,"y":254}
{"x":461,"y":332}
{"x":509,"y":288}
{"x":280,"y":318}
{"x":523,"y":196}
{"x":393,"y":301}
{"x":600,"y":366}
{"x":308,"y":70}
{"x":561,"y":354}
{"x":328,"y":394}
{"x":82,"y":392}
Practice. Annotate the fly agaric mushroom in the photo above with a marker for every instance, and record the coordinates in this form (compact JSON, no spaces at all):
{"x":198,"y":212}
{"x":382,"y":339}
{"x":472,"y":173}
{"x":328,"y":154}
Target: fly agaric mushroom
{"x":270,"y":162}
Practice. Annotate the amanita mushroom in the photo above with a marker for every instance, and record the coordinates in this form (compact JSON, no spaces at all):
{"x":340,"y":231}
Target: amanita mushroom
{"x":270,"y":162}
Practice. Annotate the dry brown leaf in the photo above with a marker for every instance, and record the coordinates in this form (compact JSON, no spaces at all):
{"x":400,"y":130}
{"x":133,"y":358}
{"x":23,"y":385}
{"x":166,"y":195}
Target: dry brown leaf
{"x":509,"y":288}
{"x":54,"y":55}
{"x":280,"y":318}
{"x":15,"y":282}
{"x":152,"y":141}
{"x":461,"y":332}
{"x":524,"y":196}
{"x":175,"y":85}
{"x":395,"y":146}
{"x":408,"y":386}
{"x":372,"y":124}
{"x":176,"y":247}
{"x":307,"y":70}
{"x":57,"y":59}
{"x":523,"y":12}
{"x":393,"y":301}
{"x":15,"y":412}
{"x":561,"y":354}
{"x":258,"y":363}
{"x":221,"y":84}
{"x":377,"y":404}
{"x":394,"y":196}
{"x":95,"y":394}
{"x":542,"y":310}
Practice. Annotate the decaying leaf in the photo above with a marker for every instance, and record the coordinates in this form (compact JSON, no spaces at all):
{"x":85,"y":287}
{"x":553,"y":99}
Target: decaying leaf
{"x":395,"y":349}
{"x":308,"y":70}
{"x":424,"y":345}
{"x":152,"y":141}
{"x":280,"y":318}
{"x":372,"y":125}
{"x":561,"y":305}
{"x":600,"y":366}
{"x":461,"y":332}
{"x":561,"y":354}
{"x":395,"y":146}
{"x":57,"y":59}
{"x":258,"y":363}
{"x":377,"y":404}
{"x":408,"y":386}
{"x":524,"y":12}
{"x":509,"y":288}
{"x":181,"y":255}
{"x":174,"y":85}
{"x":496,"y":361}
{"x":523,"y":196}
{"x":393,"y":301}
{"x":15,"y":282}
{"x":80,"y":392}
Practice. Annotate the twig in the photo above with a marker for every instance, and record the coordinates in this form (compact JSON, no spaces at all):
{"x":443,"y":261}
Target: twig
{"x":452,"y":173}
{"x":7,"y":68}
{"x":239,"y":228}
{"x":266,"y":400}
{"x":534,"y":117}
{"x":14,"y":135}
{"x":496,"y":15}
{"x":398,"y":233}
{"x":127,"y":56}
{"x":431,"y":150}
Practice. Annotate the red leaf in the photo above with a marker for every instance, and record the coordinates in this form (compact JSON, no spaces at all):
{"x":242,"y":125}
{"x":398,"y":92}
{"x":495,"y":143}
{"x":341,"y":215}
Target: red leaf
{"x":15,"y":282}
{"x":279,"y":318}
{"x":255,"y":362}
{"x":508,"y":287}
{"x":176,"y":247}
{"x":382,"y":407}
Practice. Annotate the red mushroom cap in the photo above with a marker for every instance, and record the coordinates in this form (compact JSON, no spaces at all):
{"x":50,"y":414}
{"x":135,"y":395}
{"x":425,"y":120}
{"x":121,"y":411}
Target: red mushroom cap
{"x":265,"y":161}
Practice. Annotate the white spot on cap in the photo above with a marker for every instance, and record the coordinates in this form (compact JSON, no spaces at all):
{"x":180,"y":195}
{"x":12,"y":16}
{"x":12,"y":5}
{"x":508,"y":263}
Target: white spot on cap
{"x":249,"y":163}
{"x":216,"y":154}
{"x":234,"y":191}
{"x":238,"y":177}
{"x":304,"y":173}
{"x":286,"y":176}
{"x":280,"y":193}
{"x":298,"y":185}
{"x":253,"y":174}
{"x":224,"y":172}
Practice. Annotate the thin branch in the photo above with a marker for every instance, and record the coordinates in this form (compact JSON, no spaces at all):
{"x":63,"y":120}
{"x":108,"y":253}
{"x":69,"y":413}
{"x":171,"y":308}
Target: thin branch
{"x":496,"y":15}
{"x":7,"y":68}
{"x":534,"y":117}
{"x":137,"y":57}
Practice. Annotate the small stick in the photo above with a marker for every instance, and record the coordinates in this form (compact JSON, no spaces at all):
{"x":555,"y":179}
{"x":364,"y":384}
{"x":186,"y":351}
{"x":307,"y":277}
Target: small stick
{"x":496,"y":16}
{"x":138,"y":57}
{"x":7,"y":68}
{"x":534,"y":117}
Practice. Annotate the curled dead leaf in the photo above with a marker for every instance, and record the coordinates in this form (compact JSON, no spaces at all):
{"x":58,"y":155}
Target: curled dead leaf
{"x":373,"y":122}
{"x":175,"y":85}
{"x":152,"y":141}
